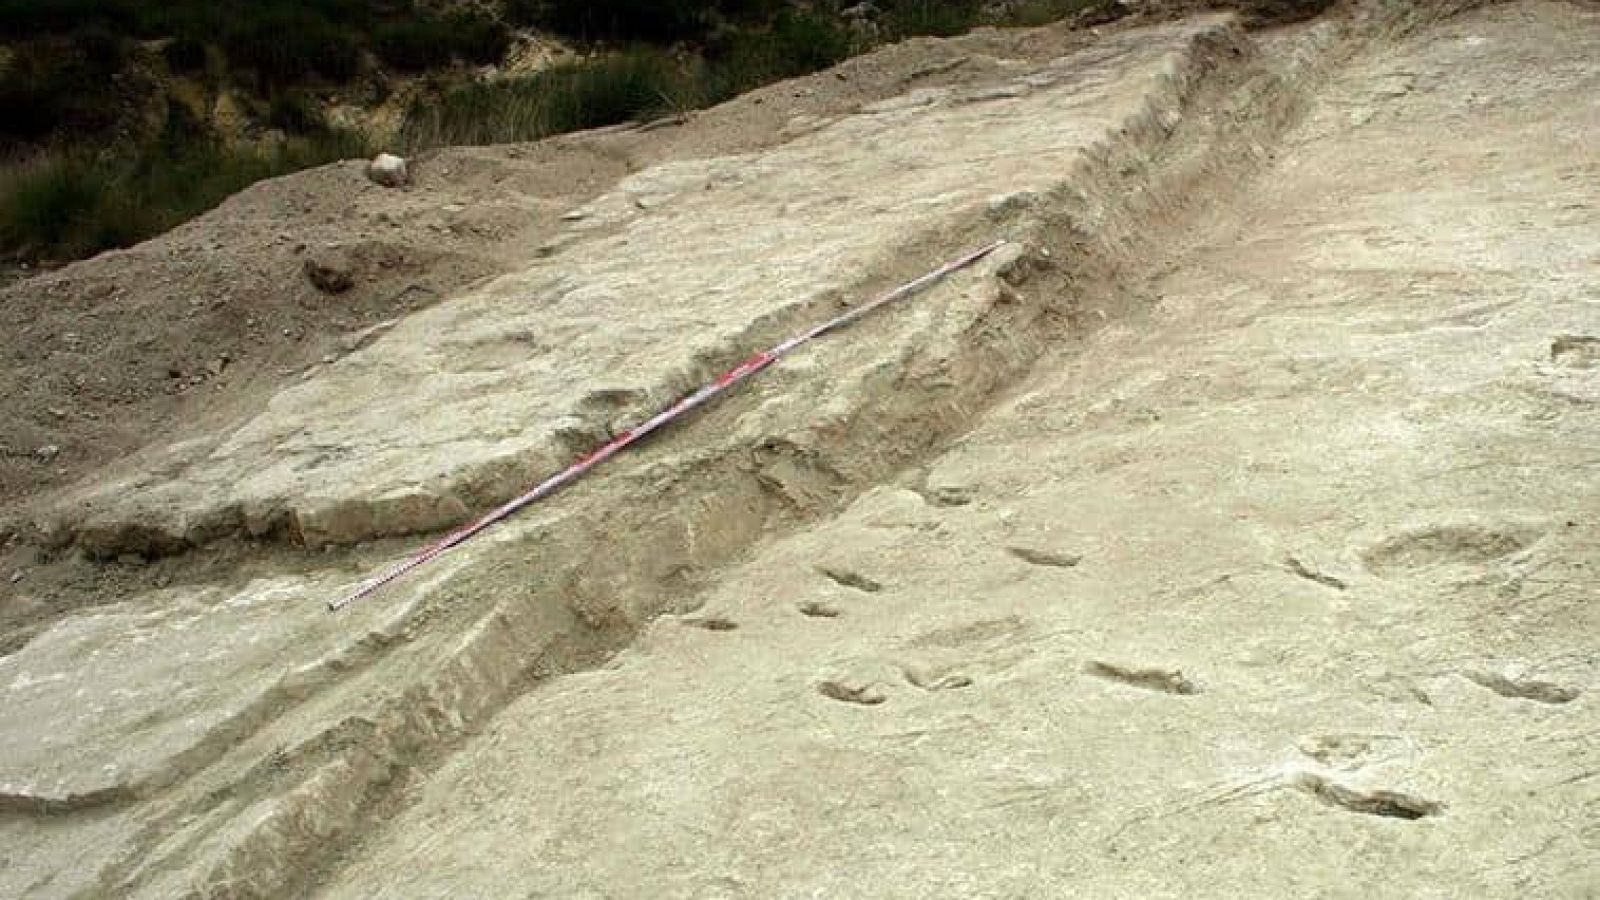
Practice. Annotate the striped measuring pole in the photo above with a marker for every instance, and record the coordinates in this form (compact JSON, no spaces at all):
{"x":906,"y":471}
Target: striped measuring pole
{"x":625,"y":439}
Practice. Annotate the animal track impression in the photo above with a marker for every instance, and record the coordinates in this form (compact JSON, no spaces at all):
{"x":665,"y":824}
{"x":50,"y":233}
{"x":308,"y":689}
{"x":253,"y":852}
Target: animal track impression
{"x":849,"y":579}
{"x":1522,"y":688}
{"x":1577,"y":351}
{"x":986,"y":631}
{"x":949,"y":496}
{"x":865,"y":695}
{"x":1446,"y":545}
{"x":1388,"y":804}
{"x":935,"y":681}
{"x":1167,"y":681}
{"x":1299,"y":568}
{"x":1349,"y":750}
{"x":1045,"y":557}
{"x":712,"y":623}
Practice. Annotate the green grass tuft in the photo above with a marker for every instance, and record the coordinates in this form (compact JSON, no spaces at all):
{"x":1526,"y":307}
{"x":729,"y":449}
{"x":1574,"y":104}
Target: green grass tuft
{"x":72,"y":205}
{"x":635,"y":84}
{"x":605,"y":91}
{"x":795,"y":44}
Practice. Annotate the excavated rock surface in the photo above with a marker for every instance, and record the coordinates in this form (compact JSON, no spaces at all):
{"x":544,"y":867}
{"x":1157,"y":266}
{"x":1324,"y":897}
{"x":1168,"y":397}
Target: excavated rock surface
{"x":1282,"y":589}
{"x":1227,"y":533}
{"x":190,"y":335}
{"x":638,"y":300}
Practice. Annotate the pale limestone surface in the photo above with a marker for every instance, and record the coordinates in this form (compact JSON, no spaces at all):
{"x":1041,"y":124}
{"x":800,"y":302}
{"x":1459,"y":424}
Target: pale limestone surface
{"x":223,"y":735}
{"x":138,"y":695}
{"x":1333,"y":628}
{"x":378,"y":407}
{"x":1276,"y":582}
{"x":640,"y":299}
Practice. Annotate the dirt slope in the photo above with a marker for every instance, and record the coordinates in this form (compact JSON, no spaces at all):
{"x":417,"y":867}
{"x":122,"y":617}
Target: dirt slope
{"x":1228,"y":534}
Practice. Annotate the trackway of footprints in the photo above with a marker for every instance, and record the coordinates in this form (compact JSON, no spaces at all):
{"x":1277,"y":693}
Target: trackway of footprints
{"x":1419,"y":550}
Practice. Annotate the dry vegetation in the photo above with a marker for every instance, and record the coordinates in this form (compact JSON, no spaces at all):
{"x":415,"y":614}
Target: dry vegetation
{"x":100,"y":155}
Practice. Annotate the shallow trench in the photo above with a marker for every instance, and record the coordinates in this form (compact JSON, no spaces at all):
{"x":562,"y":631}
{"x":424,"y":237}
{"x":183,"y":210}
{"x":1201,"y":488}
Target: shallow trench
{"x":1075,"y":249}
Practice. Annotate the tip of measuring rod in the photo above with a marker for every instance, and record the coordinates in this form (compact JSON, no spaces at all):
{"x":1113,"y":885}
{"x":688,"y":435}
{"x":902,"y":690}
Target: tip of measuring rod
{"x":339,"y":603}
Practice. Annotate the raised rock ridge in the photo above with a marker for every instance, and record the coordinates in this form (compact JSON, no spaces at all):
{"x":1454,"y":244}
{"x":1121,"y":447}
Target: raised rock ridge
{"x":461,"y":405}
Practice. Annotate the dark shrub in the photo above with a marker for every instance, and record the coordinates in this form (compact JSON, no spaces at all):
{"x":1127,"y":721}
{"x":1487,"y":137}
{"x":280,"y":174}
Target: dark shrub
{"x":938,"y":18}
{"x":101,"y":51}
{"x":426,"y":42}
{"x":184,"y":55}
{"x":797,"y":43}
{"x":52,"y":85}
{"x":525,"y":13}
{"x":412,"y":45}
{"x":295,"y":113}
{"x":643,"y":20}
{"x":285,"y":45}
{"x":182,"y":128}
{"x":657,"y":21}
{"x":33,"y":101}
{"x":477,"y":38}
{"x":28,"y":18}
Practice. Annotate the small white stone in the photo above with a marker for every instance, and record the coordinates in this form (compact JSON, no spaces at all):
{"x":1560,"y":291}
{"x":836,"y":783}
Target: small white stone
{"x":389,"y":170}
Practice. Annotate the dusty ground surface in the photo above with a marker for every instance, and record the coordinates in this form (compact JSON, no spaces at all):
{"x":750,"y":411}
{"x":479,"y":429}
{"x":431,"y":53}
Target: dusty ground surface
{"x":1230,"y":533}
{"x":203,"y":326}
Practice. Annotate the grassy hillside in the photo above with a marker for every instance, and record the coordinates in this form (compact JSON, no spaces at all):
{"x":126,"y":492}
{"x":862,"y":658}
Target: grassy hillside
{"x":106,"y":129}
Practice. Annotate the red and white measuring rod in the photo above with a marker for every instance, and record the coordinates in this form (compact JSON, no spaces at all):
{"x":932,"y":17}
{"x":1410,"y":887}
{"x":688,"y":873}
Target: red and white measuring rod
{"x":617,"y":444}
